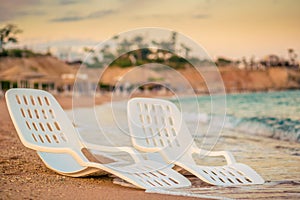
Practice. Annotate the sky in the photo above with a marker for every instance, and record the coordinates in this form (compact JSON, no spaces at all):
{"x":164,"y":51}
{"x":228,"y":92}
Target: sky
{"x":229,"y":28}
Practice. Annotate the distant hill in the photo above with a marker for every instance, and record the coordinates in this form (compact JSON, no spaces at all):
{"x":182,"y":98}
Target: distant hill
{"x":243,"y":80}
{"x":47,"y":68}
{"x":47,"y":65}
{"x":235,"y":79}
{"x":276,"y":78}
{"x":44,"y":72}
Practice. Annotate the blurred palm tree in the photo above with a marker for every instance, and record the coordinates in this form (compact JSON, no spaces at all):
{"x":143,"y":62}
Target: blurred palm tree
{"x":173,"y":41}
{"x":124,"y":46}
{"x":186,"y":49}
{"x":138,"y":41}
{"x":8,"y":35}
{"x":292,"y":56}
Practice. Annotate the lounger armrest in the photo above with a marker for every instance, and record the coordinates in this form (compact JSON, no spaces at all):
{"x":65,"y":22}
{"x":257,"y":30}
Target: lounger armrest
{"x":228,"y":156}
{"x":137,"y":157}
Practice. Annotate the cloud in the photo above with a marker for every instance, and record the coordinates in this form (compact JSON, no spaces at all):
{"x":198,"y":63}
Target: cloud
{"x":5,"y":15}
{"x":67,"y":2}
{"x":67,"y":19}
{"x":100,"y":13}
{"x":9,"y":9}
{"x":172,"y":16}
{"x":63,"y":43}
{"x":30,"y":13}
{"x":201,"y":16}
{"x":153,"y":16}
{"x":93,"y":15}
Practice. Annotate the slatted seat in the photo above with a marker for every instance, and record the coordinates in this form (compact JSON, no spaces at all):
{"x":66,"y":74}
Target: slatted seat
{"x":42,"y":125}
{"x":157,"y":126}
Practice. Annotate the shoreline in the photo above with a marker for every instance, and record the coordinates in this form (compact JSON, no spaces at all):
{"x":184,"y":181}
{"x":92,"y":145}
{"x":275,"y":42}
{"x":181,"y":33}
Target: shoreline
{"x":25,"y":176}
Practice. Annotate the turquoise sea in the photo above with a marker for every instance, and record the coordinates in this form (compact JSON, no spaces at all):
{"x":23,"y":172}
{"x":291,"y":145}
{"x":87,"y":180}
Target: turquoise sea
{"x":270,"y":114}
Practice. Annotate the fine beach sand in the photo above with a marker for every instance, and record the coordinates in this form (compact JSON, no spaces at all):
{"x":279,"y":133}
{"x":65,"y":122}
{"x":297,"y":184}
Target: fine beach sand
{"x":24,"y":176}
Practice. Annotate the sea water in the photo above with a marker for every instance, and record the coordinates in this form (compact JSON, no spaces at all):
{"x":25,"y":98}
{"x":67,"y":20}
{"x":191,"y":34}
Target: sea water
{"x":270,"y":114}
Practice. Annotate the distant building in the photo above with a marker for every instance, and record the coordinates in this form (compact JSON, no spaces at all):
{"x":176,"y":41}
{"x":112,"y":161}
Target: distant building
{"x":44,"y":72}
{"x":11,"y":79}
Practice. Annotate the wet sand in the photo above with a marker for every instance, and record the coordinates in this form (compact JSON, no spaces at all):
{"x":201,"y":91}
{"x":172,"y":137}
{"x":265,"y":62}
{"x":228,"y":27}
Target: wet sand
{"x":24,"y":176}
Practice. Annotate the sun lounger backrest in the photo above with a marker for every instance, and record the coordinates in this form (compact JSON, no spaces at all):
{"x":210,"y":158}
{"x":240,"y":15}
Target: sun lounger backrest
{"x":157,"y":125}
{"x":40,"y":118}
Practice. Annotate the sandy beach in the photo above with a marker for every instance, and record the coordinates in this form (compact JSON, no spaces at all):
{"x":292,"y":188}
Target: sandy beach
{"x":232,"y":68}
{"x":24,"y":176}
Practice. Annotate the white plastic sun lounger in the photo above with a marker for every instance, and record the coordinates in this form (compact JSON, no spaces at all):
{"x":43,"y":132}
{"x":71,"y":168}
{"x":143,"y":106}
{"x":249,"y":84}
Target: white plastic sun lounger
{"x":157,"y":126}
{"x":42,"y":125}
